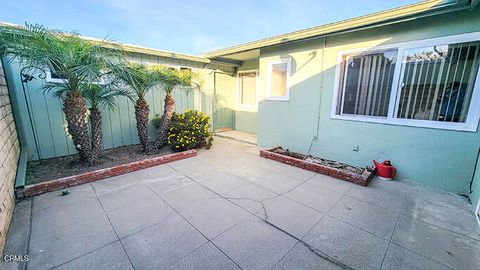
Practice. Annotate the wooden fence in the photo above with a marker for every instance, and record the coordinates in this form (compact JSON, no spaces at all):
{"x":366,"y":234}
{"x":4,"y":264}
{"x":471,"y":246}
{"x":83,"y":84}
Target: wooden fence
{"x":42,"y":124}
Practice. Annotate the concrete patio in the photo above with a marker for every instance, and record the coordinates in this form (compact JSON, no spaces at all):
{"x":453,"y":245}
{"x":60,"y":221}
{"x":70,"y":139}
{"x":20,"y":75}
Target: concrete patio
{"x":228,"y":208}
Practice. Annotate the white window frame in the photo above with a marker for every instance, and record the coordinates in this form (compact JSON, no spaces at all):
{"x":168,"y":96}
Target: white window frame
{"x":239,"y":104}
{"x":473,"y":115}
{"x":287,"y":61}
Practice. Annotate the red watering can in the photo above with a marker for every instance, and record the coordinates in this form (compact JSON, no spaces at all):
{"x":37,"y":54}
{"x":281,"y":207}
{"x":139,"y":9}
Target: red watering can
{"x":385,"y":170}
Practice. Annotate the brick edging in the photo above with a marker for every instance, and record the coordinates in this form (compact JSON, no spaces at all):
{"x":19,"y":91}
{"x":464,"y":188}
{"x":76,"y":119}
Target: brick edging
{"x":87,"y":177}
{"x":361,"y":179}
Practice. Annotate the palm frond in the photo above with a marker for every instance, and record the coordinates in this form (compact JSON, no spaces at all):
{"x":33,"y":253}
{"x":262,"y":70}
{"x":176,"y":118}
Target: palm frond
{"x":98,"y":95}
{"x":173,"y":78}
{"x":70,"y":56}
{"x":58,"y":90}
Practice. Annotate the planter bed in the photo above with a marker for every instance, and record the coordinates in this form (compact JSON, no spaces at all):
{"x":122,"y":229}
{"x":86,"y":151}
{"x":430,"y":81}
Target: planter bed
{"x":63,"y":172}
{"x":342,"y":171}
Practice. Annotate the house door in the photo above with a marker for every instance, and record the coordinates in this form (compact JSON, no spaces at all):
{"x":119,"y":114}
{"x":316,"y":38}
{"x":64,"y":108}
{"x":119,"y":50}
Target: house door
{"x":224,"y":97}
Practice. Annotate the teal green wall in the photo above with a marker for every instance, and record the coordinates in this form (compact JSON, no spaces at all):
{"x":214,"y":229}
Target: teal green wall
{"x":118,"y":126}
{"x":246,"y":119}
{"x":433,"y":157}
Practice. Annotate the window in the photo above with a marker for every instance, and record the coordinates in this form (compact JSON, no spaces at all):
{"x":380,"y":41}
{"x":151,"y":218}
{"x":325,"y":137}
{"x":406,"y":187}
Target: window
{"x":438,"y":82}
{"x":278,"y":77}
{"x":431,"y":83}
{"x":247,"y":88}
{"x":367,"y":83}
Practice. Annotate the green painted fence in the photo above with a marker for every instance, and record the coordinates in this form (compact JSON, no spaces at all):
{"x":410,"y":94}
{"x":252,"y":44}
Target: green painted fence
{"x":42,"y":124}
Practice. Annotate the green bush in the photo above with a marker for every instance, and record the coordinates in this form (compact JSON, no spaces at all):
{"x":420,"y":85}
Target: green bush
{"x":189,"y":130}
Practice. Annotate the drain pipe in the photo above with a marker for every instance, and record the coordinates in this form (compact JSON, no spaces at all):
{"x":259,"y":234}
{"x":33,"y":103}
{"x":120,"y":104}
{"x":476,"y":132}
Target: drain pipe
{"x":315,"y":137}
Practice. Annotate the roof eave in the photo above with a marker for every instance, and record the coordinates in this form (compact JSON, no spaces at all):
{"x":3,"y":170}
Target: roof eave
{"x":423,"y":8}
{"x":139,"y":49}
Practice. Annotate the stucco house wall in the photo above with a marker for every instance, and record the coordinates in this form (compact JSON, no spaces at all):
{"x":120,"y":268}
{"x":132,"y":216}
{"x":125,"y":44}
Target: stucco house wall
{"x":435,"y":157}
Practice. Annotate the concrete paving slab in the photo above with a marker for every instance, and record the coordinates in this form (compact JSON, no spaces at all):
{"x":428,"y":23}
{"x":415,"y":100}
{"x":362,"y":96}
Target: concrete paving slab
{"x":206,"y":257}
{"x":114,"y":183}
{"x":399,"y":258}
{"x":276,"y":182}
{"x":253,"y":244}
{"x":187,"y":164}
{"x":380,"y":193}
{"x":110,"y":257}
{"x":447,"y":247}
{"x":354,"y":247}
{"x":201,"y":173}
{"x":157,"y":172}
{"x":295,"y":218}
{"x":294,"y":172}
{"x":48,"y":220}
{"x":168,"y":183}
{"x":331,"y":183}
{"x":187,"y":195}
{"x":223,"y":183}
{"x":212,"y":216}
{"x":126,"y":196}
{"x":138,"y":216}
{"x":376,"y":220}
{"x":18,"y":237}
{"x":314,"y":196}
{"x":250,"y":197}
{"x":301,"y":257}
{"x":68,"y":242}
{"x":55,"y":198}
{"x":442,"y":209}
{"x":164,"y":244}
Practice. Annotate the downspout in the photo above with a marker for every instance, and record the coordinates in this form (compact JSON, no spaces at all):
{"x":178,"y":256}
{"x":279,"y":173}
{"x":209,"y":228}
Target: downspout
{"x":315,"y":137}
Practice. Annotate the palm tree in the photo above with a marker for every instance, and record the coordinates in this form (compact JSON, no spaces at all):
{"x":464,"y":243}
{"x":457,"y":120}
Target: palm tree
{"x":171,"y":79}
{"x":98,"y":96}
{"x":140,"y":80}
{"x":72,"y":58}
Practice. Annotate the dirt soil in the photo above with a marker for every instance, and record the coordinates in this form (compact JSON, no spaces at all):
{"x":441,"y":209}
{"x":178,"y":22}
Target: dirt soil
{"x":321,"y":161}
{"x":54,"y":168}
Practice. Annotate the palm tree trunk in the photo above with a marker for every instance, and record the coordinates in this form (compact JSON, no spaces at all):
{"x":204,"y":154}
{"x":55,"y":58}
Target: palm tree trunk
{"x":96,"y":126}
{"x":162,"y":130}
{"x":141,"y":114}
{"x":75,"y":113}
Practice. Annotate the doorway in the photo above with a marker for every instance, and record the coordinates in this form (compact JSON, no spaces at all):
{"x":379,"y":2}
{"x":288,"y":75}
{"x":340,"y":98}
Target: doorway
{"x":223,"y":102}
